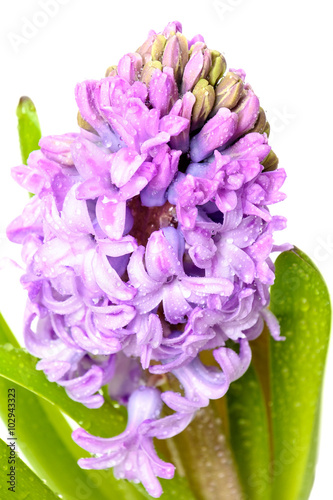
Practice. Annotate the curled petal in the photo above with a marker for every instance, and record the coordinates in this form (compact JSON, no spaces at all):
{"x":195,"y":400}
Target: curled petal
{"x":83,"y":388}
{"x":109,"y":281}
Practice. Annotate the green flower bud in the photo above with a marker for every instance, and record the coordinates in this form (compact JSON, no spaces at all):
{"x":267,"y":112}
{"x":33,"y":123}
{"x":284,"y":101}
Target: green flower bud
{"x":148,"y":71}
{"x":176,"y":55}
{"x":205,"y":98}
{"x":158,"y":48}
{"x":145,"y":49}
{"x":270,"y":162}
{"x":261,"y":123}
{"x":195,"y":47}
{"x":111,"y":71}
{"x":267,"y":129}
{"x":85,"y":125}
{"x":219,"y":65}
{"x":228,"y":92}
{"x":207,"y":63}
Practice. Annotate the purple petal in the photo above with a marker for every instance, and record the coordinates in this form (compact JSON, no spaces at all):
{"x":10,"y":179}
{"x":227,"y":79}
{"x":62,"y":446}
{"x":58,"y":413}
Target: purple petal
{"x":58,"y":148}
{"x":272,"y":323}
{"x":129,"y":67}
{"x":171,"y":28}
{"x":214,"y":134}
{"x":162,"y":259}
{"x":163,"y":91}
{"x":139,"y":277}
{"x":124,"y":165}
{"x":29,"y":222}
{"x":173,"y":125}
{"x":204,"y":286}
{"x":175,"y":305}
{"x":117,"y":248}
{"x":183,"y":108}
{"x":192,"y":71}
{"x":109,"y":281}
{"x":111,"y":217}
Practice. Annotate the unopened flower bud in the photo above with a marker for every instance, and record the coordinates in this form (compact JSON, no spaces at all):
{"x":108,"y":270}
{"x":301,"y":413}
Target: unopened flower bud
{"x":247,"y":110}
{"x":183,"y":108}
{"x":228,"y":92}
{"x":261,"y":122}
{"x":83,"y":124}
{"x":267,"y":129}
{"x":176,"y":54}
{"x":172,"y":28}
{"x":148,"y":71}
{"x":205,"y":97}
{"x":130,"y":66}
{"x":197,"y":67}
{"x":270,"y":162}
{"x":218,"y":67}
{"x":207,"y":63}
{"x":198,"y":46}
{"x":111,"y":71}
{"x":158,"y":48}
{"x":145,"y":49}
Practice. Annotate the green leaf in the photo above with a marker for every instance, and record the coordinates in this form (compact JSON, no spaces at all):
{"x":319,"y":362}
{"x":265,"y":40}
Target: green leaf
{"x":301,"y":303}
{"x":6,"y":335}
{"x":249,"y":435}
{"x":20,"y":367}
{"x":25,"y":482}
{"x":309,"y":474}
{"x":28,"y":127}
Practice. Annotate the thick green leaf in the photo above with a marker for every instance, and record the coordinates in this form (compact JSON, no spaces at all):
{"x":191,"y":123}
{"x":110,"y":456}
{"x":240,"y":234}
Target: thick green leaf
{"x":249,"y":435}
{"x":309,"y":474}
{"x":20,"y":367}
{"x":301,"y":303}
{"x":28,"y":127}
{"x":6,"y":335}
{"x":25,"y":482}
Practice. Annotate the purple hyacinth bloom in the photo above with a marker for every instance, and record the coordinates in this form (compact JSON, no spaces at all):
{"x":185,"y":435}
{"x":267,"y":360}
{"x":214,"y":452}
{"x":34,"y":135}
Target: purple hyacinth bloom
{"x":131,"y":454}
{"x":148,"y":241}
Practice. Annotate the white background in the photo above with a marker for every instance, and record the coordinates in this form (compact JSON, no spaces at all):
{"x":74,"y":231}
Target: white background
{"x":285,"y":47}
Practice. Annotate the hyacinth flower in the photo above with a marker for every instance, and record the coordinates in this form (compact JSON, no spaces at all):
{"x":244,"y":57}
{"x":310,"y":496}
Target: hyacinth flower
{"x":147,"y":247}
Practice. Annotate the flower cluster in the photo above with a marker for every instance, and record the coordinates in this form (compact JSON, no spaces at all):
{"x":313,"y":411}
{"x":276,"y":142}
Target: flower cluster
{"x":148,"y":241}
